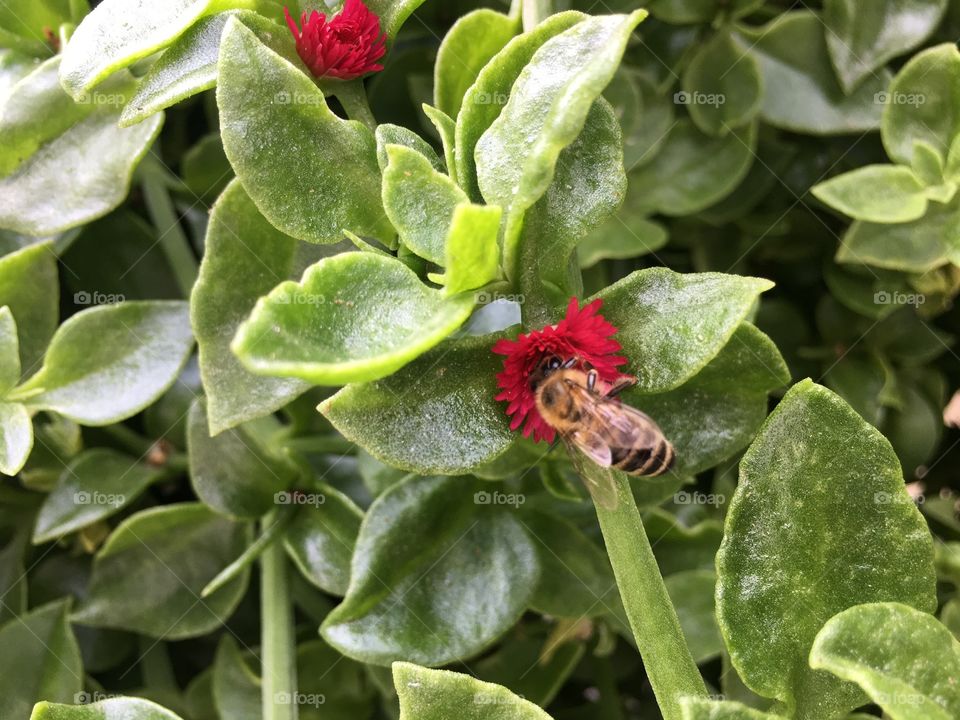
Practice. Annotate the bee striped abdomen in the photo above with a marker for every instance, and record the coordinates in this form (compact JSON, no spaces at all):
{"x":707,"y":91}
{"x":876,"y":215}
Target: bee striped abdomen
{"x":645,"y":461}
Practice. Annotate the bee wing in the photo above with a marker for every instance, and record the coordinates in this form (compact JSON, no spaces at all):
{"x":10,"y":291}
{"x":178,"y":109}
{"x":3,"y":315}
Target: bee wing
{"x":628,"y":426}
{"x":580,"y":443}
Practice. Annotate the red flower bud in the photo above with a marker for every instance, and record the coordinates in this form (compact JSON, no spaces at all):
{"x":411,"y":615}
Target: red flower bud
{"x":345,"y":47}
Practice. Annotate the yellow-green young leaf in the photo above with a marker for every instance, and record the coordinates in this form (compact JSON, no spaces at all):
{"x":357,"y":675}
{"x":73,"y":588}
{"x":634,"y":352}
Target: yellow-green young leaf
{"x":471,"y":252}
{"x":671,"y":325}
{"x":437,"y":415}
{"x":485,"y":99}
{"x":245,"y":258}
{"x":923,"y":103}
{"x":703,"y":709}
{"x":9,"y":351}
{"x":419,"y":201}
{"x":817,"y":476}
{"x":109,"y":709}
{"x":352,"y":318}
{"x":691,"y":171}
{"x":441,"y":694}
{"x":28,"y":18}
{"x":722,"y":86}
{"x":467,"y":47}
{"x":875,"y":193}
{"x":927,"y":163}
{"x":189,"y":65}
{"x":310,"y":173}
{"x":110,"y":362}
{"x":904,"y":659}
{"x":16,"y":437}
{"x":862,"y":37}
{"x":916,"y":246}
{"x":393,"y":13}
{"x":14,"y":66}
{"x":548,"y":107}
{"x":148,"y":576}
{"x":119,"y":32}
{"x":447,"y":129}
{"x":388,"y":134}
{"x":437,"y":575}
{"x":801,"y":91}
{"x":40,"y":660}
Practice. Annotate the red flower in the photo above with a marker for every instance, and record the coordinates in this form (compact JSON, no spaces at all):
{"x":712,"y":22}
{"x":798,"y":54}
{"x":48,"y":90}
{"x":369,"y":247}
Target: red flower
{"x":583,"y":334}
{"x":346,"y":47}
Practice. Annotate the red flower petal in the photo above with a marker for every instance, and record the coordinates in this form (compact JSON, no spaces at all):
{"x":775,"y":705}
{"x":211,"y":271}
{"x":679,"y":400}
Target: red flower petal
{"x":583,"y":334}
{"x":345,"y":47}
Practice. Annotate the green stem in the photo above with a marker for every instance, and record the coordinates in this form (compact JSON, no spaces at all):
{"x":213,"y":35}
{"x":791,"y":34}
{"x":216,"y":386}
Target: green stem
{"x":653,"y":619}
{"x":535,"y":12}
{"x":277,"y":633}
{"x":172,"y":238}
{"x":353,"y":96}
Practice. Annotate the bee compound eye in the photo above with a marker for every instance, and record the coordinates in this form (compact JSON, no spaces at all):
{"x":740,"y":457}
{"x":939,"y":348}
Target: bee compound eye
{"x":554,"y":363}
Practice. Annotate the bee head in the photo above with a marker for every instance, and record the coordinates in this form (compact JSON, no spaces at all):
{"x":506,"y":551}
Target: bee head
{"x":548,"y":365}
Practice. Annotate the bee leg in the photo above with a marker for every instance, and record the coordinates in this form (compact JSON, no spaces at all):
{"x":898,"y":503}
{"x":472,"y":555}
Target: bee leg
{"x":591,"y":380}
{"x":627,"y":381}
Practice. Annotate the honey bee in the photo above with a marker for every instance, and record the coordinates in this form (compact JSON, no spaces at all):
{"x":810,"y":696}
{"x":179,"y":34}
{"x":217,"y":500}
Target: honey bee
{"x":595,"y":423}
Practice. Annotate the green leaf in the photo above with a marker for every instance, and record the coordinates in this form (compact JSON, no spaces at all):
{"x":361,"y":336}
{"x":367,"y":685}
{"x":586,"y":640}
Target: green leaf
{"x":906,"y":661}
{"x":643,"y":143}
{"x":233,"y":473}
{"x":671,"y":325}
{"x":388,"y":134}
{"x":119,"y":32}
{"x":628,"y":234}
{"x":245,"y":258}
{"x":446,"y":128}
{"x":322,"y":537}
{"x":862,"y":37}
{"x":189,"y":65}
{"x":437,"y":415}
{"x":148,"y":576}
{"x":467,"y":47}
{"x":722,"y":86}
{"x":96,"y":484}
{"x":393,"y":13}
{"x":817,"y":477}
{"x":536,"y":668}
{"x":692,"y":171}
{"x":916,"y":246}
{"x":14,"y":66}
{"x":353,"y":317}
{"x":441,"y":694}
{"x":434,"y":577}
{"x":110,"y":362}
{"x":30,"y":287}
{"x":28,"y":18}
{"x":485,"y":99}
{"x":548,"y":107}
{"x":40,"y":661}
{"x":9,"y":351}
{"x":728,"y":397}
{"x":16,"y":437}
{"x":109,"y":709}
{"x":419,"y":201}
{"x":472,"y":253}
{"x":310,"y":173}
{"x":875,"y":193}
{"x":923,"y":104}
{"x":703,"y":709}
{"x":692,"y":595}
{"x":801,"y":92}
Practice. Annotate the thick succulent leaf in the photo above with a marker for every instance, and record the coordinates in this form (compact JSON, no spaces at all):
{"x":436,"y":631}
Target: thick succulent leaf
{"x":29,"y":286}
{"x":310,"y":173}
{"x":95,"y":485}
{"x":446,"y":128}
{"x":419,"y":201}
{"x":355,"y":317}
{"x":321,"y":538}
{"x":671,"y":325}
{"x":245,"y":257}
{"x":14,"y":66}
{"x":40,"y":660}
{"x":110,"y":362}
{"x":862,"y":37}
{"x":493,"y":87}
{"x":717,"y":412}
{"x":628,"y":234}
{"x":876,"y":193}
{"x":435,"y":577}
{"x":16,"y":437}
{"x":467,"y":47}
{"x":471,"y":252}
{"x":189,"y":65}
{"x":393,"y":13}
{"x":548,"y":107}
{"x":906,"y":661}
{"x":119,"y":32}
{"x":233,"y":473}
{"x":9,"y":351}
{"x":441,"y":694}
{"x":643,"y":142}
{"x":704,"y":709}
{"x":148,"y":576}
{"x":722,"y":85}
{"x":437,"y":415}
{"x":78,"y":176}
{"x":388,"y":134}
{"x":810,"y":532}
{"x":923,"y":104}
{"x":801,"y":92}
{"x":113,"y":708}
{"x":692,"y":171}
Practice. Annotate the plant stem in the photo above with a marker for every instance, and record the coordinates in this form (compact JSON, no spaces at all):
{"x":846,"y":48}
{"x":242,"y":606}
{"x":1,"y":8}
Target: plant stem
{"x":353,"y":96}
{"x":535,"y":12}
{"x":653,"y":619}
{"x":172,"y":238}
{"x":277,"y":633}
